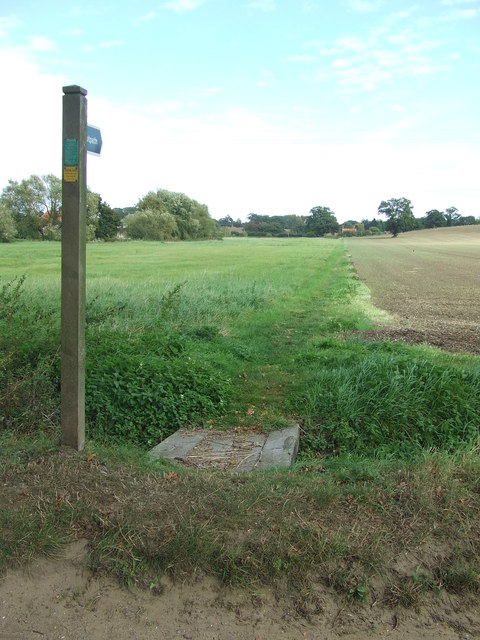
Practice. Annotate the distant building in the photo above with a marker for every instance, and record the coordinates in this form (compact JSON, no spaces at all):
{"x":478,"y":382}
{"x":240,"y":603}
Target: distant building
{"x":349,"y":229}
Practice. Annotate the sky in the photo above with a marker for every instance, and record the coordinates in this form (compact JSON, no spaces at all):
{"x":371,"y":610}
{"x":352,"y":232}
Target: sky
{"x":252,"y":106}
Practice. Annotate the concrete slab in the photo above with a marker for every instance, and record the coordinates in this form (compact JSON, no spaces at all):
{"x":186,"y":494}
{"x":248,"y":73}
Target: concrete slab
{"x":281,"y":448}
{"x":231,"y":451}
{"x":178,"y":445}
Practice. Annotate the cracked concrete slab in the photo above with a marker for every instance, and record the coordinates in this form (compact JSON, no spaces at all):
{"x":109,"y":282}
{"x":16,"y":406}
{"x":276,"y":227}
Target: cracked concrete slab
{"x":231,"y":451}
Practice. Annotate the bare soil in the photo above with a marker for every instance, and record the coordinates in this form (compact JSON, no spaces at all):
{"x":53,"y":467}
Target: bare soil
{"x":62,"y":600}
{"x":428,"y":281}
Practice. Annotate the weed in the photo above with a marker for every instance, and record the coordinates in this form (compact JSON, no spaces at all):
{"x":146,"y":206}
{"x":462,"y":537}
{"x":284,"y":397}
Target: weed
{"x":459,"y":577}
{"x":405,"y":592}
{"x":11,"y":299}
{"x":358,"y":592}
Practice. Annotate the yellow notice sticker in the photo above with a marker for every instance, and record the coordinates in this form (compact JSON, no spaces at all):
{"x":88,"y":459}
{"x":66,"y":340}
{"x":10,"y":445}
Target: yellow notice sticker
{"x":70,"y":174}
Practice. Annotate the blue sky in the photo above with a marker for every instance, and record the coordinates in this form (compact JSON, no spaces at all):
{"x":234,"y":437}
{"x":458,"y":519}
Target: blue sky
{"x":264,"y":106}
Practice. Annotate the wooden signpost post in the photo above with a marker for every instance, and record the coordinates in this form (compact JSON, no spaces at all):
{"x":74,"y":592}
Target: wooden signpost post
{"x":75,"y":143}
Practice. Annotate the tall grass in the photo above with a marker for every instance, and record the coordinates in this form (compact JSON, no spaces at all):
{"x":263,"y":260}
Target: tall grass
{"x":390,"y":403}
{"x":239,"y":333}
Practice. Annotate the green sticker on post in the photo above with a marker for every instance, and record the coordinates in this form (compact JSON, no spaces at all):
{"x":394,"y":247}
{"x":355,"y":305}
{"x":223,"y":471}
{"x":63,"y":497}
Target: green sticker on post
{"x":70,"y":152}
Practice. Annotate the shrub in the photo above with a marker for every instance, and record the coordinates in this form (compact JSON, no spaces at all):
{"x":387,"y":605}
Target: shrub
{"x":142,"y":395}
{"x":8,"y":229}
{"x":29,"y":360}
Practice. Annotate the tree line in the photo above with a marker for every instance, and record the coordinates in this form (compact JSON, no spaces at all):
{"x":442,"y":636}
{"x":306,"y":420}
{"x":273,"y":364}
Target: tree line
{"x":400,"y":218}
{"x":32,"y":209}
{"x":398,"y":214}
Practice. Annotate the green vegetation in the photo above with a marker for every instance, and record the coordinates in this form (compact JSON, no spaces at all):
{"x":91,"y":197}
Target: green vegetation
{"x":279,"y":226}
{"x":387,"y":400}
{"x":164,"y":215}
{"x":257,"y":337}
{"x":399,"y":214}
{"x":239,"y":333}
{"x":334,"y":525}
{"x":108,"y":222}
{"x":32,"y":209}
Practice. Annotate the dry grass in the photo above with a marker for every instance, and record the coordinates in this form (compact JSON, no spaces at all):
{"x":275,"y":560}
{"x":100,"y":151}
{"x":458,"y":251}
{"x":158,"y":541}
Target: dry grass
{"x":341,"y":525}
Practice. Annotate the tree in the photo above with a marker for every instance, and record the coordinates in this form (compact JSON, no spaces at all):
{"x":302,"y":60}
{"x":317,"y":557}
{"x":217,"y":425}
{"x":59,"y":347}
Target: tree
{"x":378,"y":224}
{"x":108,"y":223}
{"x":398,"y":212}
{"x":93,"y":202}
{"x":227,"y":221}
{"x":262,"y":225}
{"x":151,"y":225}
{"x":192,"y":218}
{"x":53,"y":199}
{"x":8,"y":230}
{"x":467,"y":220}
{"x":452,"y":216}
{"x":321,"y":220}
{"x":434,"y":218}
{"x":123,"y":212}
{"x":35,"y":205}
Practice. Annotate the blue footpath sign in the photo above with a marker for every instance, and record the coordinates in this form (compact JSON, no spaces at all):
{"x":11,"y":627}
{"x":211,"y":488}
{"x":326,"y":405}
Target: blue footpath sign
{"x":94,"y":140}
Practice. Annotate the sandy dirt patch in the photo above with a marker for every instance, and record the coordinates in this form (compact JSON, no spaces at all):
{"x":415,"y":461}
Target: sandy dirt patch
{"x":61,"y":600}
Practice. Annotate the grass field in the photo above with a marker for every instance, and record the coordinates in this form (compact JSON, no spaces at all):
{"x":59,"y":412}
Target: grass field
{"x":245,"y":334}
{"x":242,"y":312}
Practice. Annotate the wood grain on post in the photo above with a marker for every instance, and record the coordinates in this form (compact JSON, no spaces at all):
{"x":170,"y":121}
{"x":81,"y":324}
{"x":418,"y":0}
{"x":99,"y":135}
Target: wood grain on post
{"x":74,"y":206}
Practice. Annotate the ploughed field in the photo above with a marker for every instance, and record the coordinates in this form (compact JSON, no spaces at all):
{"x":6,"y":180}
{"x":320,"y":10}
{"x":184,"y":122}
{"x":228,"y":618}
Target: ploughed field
{"x":428,"y":281}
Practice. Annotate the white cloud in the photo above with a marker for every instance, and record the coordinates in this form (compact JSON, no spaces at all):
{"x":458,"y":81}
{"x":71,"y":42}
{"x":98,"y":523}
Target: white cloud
{"x":75,"y":33}
{"x":104,"y":45}
{"x":398,"y":16}
{"x":460,"y":14}
{"x":340,"y":47}
{"x":341,"y":63}
{"x":267,"y":79}
{"x":452,"y":3}
{"x":147,"y":17}
{"x":365,"y":6}
{"x":181,"y":6}
{"x":263,"y":5}
{"x":78,"y":11}
{"x":7,"y":24}
{"x":468,"y":13}
{"x":40,"y":44}
{"x":110,"y":43}
{"x":308,"y":6}
{"x":300,"y":58}
{"x":381,"y":55}
{"x":34,"y":98}
{"x":205,"y":92}
{"x":270,"y":169}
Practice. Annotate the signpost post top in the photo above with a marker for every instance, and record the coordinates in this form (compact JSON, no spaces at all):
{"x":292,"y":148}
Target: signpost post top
{"x":75,"y":88}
